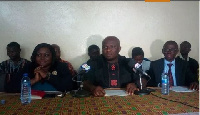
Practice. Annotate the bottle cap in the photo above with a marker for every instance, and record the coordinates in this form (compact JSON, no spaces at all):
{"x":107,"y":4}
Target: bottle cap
{"x":25,"y":74}
{"x":3,"y":101}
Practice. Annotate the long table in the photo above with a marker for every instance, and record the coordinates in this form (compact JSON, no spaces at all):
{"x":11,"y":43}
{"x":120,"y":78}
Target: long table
{"x":155,"y":103}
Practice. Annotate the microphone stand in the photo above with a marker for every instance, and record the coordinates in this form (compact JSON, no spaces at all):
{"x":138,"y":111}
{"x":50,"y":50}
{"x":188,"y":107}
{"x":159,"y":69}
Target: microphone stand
{"x":141,"y":90}
{"x":81,"y":92}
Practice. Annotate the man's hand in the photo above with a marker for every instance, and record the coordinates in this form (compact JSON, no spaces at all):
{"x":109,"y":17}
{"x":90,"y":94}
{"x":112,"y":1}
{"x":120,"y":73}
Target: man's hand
{"x":130,"y":88}
{"x":194,"y":86}
{"x":98,"y":91}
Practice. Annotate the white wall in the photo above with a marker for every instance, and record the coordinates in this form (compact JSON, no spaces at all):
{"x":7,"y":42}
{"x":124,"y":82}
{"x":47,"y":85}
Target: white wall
{"x":74,"y":25}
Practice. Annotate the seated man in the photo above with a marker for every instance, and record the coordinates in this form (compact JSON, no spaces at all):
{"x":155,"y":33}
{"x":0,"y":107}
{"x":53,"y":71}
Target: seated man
{"x":70,"y":67}
{"x":109,"y":70}
{"x":12,"y":66}
{"x":93,"y":51}
{"x":185,"y":48}
{"x":58,"y":53}
{"x":178,"y":71}
{"x":138,"y":56}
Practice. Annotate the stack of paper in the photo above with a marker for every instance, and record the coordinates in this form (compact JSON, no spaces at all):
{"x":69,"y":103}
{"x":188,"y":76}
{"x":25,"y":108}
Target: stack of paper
{"x":181,"y":89}
{"x":115,"y":93}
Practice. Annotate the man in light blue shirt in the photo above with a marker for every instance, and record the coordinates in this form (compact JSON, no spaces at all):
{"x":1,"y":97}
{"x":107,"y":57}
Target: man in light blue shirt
{"x":181,"y":74}
{"x":166,"y":69}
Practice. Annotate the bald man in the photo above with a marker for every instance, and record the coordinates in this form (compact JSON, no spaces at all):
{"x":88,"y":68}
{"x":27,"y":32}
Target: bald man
{"x":58,"y":54}
{"x":109,"y":70}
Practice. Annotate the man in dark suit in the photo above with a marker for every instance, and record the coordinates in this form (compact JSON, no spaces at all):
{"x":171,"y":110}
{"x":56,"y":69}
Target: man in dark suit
{"x":180,"y":73}
{"x":185,"y":48}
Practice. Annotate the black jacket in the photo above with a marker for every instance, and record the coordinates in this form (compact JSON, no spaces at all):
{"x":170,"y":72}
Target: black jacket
{"x":98,"y":74}
{"x":182,"y":72}
{"x":60,"y":77}
{"x":193,"y":65}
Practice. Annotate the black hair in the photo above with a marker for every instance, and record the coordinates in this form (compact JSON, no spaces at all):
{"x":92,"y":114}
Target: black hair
{"x":55,"y":45}
{"x":93,"y":47}
{"x":170,"y":42}
{"x":37,"y":48}
{"x":137,"y":51}
{"x":186,"y":42}
{"x":13,"y":44}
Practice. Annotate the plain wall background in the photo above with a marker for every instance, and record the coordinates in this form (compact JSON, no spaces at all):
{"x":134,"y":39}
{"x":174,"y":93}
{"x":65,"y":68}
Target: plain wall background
{"x":74,"y":25}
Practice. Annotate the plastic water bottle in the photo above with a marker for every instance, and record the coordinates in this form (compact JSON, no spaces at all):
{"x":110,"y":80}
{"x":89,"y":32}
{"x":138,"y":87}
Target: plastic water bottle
{"x":165,"y":84}
{"x":25,"y":89}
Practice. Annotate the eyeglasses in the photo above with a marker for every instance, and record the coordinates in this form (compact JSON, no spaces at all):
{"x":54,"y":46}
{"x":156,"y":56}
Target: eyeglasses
{"x":169,"y":50}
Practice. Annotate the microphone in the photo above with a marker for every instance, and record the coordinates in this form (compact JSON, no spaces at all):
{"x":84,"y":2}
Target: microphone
{"x":81,"y":92}
{"x":84,"y":69}
{"x":136,"y":67}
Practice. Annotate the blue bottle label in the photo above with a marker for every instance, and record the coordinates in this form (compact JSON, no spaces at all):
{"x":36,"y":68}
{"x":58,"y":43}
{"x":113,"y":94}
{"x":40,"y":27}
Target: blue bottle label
{"x":164,"y":80}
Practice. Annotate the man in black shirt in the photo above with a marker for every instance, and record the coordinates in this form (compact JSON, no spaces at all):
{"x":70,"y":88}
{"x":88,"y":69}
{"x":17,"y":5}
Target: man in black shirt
{"x":109,"y":70}
{"x":185,"y":48}
{"x":11,"y":67}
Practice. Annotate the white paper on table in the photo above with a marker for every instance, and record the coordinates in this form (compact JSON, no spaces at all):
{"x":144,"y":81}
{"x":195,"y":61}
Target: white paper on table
{"x":53,"y":92}
{"x":115,"y":93}
{"x":181,"y":89}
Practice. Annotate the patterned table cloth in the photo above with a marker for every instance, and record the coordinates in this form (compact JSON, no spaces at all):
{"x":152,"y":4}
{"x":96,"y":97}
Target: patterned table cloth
{"x":154,"y":104}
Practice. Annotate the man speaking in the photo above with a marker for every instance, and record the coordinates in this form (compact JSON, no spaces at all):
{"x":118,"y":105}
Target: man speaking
{"x":109,"y":70}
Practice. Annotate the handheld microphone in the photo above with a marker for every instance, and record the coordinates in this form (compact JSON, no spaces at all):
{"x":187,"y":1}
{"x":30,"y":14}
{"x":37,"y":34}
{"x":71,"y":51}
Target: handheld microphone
{"x":84,"y":69}
{"x":81,"y":92}
{"x":136,"y":67}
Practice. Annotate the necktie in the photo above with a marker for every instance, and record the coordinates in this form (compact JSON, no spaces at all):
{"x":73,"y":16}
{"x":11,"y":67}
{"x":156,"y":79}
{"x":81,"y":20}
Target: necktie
{"x":171,"y":82}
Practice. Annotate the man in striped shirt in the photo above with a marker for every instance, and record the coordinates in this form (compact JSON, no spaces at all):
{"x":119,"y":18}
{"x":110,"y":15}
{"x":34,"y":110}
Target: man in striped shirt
{"x":11,"y":67}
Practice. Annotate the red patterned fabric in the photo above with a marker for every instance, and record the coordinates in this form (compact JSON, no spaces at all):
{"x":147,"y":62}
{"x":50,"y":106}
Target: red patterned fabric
{"x":113,"y":82}
{"x":70,"y":67}
{"x":113,"y":75}
{"x":171,"y":81}
{"x":153,"y":104}
{"x":113,"y":67}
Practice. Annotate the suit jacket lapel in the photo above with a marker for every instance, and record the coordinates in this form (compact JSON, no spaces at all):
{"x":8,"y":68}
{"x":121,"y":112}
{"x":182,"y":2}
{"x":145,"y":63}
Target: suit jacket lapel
{"x":177,"y":72}
{"x":161,"y":69}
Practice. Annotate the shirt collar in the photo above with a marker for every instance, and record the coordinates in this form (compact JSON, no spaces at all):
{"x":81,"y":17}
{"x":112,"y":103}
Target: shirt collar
{"x":184,"y":58}
{"x":167,"y":62}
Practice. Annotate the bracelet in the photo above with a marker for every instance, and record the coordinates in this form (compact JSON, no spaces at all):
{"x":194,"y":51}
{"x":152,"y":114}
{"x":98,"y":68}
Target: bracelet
{"x":48,"y":76}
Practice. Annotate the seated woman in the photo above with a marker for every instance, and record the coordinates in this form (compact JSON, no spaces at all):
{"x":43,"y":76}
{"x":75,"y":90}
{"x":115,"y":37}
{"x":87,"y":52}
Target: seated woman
{"x":46,"y":72}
